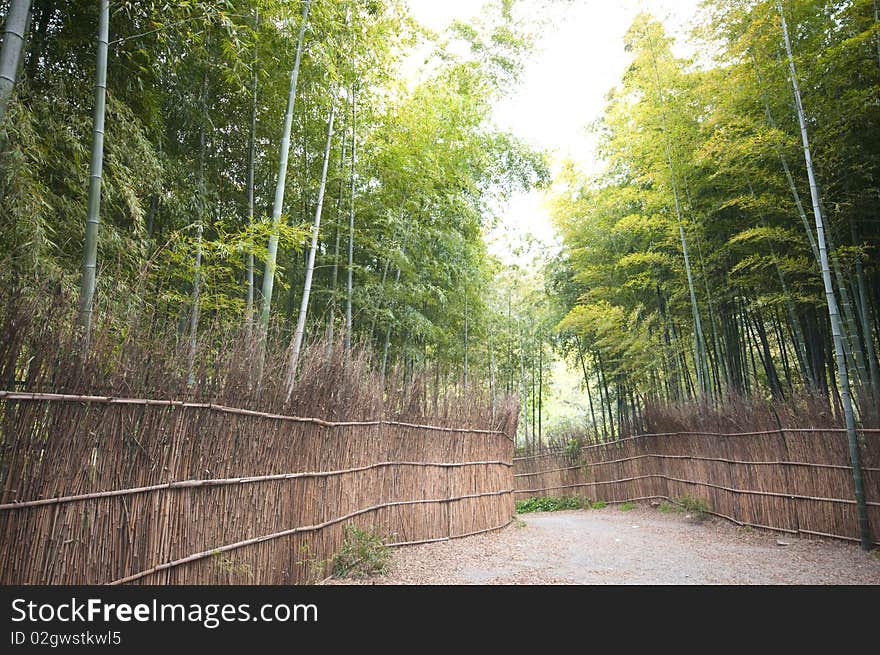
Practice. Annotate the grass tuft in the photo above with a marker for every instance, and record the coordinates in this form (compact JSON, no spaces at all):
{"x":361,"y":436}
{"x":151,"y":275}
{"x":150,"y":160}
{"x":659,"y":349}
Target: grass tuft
{"x":551,"y":504}
{"x":362,"y":554}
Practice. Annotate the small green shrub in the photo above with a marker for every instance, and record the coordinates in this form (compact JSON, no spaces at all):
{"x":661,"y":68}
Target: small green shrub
{"x":599,"y":504}
{"x":551,"y":504}
{"x":362,"y":554}
{"x":314,"y":566}
{"x":625,"y":507}
{"x":696,"y":506}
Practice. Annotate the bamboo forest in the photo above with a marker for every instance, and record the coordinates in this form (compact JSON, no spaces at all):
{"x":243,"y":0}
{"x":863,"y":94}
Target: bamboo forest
{"x":277,"y":215}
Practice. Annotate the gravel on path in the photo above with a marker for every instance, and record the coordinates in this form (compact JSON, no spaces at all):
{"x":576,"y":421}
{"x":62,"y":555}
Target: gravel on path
{"x":640,"y":546}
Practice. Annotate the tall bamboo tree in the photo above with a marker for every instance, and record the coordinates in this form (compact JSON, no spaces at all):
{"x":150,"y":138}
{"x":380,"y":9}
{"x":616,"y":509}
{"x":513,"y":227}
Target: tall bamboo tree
{"x":252,"y":156}
{"x":278,"y":203}
{"x":831,"y":300}
{"x":13,"y":40}
{"x":90,"y":256}
{"x":310,"y":266}
{"x":349,"y":282}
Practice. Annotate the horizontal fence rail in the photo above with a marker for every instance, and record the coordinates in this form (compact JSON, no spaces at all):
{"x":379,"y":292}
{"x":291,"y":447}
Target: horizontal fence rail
{"x":110,"y":400}
{"x":306,"y":528}
{"x":189,"y":484}
{"x":99,"y":489}
{"x":797,"y":481}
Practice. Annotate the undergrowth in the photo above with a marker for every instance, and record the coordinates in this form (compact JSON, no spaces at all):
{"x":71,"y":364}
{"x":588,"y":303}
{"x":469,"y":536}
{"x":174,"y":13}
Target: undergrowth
{"x":696,"y":507}
{"x":363,"y":553}
{"x":551,"y":504}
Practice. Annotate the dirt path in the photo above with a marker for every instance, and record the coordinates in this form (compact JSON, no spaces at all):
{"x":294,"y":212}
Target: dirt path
{"x":641,"y":546}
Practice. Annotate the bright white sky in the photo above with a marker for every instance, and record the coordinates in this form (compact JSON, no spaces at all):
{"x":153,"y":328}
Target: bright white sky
{"x":578,"y":60}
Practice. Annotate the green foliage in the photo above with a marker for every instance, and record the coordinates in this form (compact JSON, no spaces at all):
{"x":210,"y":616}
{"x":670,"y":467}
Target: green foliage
{"x":695,"y":506}
{"x":599,"y":504}
{"x":721,"y":132}
{"x":362,"y":554}
{"x":573,"y":448}
{"x":551,"y":504}
{"x":314,"y":567}
{"x":625,"y":507}
{"x":431,"y":168}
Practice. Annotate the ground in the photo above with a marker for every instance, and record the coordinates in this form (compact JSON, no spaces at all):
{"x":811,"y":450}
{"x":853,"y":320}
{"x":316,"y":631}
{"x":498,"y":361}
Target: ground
{"x":640,"y":546}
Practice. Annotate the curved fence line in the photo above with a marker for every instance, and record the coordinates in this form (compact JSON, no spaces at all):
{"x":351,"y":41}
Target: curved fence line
{"x":216,"y":482}
{"x":693,"y":457}
{"x":110,"y":400}
{"x":750,"y":492}
{"x":780,"y":431}
{"x":745,"y":523}
{"x":283,"y":533}
{"x":398,"y":544}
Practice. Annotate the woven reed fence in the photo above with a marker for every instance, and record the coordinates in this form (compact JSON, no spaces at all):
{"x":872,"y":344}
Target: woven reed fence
{"x":797,"y":481}
{"x":103,"y":490}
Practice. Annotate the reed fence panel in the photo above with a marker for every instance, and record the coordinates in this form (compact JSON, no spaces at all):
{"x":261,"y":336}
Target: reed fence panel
{"x":98,"y":490}
{"x":797,"y":481}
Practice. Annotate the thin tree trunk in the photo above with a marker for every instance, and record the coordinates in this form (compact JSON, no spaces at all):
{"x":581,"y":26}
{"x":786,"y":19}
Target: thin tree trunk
{"x":699,"y":341}
{"x":799,"y":343}
{"x":90,"y":256}
{"x":713,"y":365}
{"x":466,"y":342}
{"x":310,"y":267}
{"x":604,"y":381}
{"x":252,"y":156}
{"x":802,"y":214}
{"x":587,"y":385}
{"x":855,"y":349}
{"x":492,"y":390}
{"x":532,"y":397}
{"x":10,"y":55}
{"x":387,"y":343}
{"x":843,"y":376}
{"x":525,"y":394}
{"x":865,"y":318}
{"x":776,"y":323}
{"x":540,"y":391}
{"x":396,"y":282}
{"x":331,"y":329}
{"x":195,"y":312}
{"x":877,"y":20}
{"x":602,"y":402}
{"x":278,"y":204}
{"x":849,"y":328}
{"x":350,"y":269}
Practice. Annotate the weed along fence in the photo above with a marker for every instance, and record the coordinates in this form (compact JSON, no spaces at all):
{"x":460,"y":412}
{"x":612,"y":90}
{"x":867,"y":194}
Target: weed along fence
{"x":110,"y":490}
{"x":796,"y":481}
